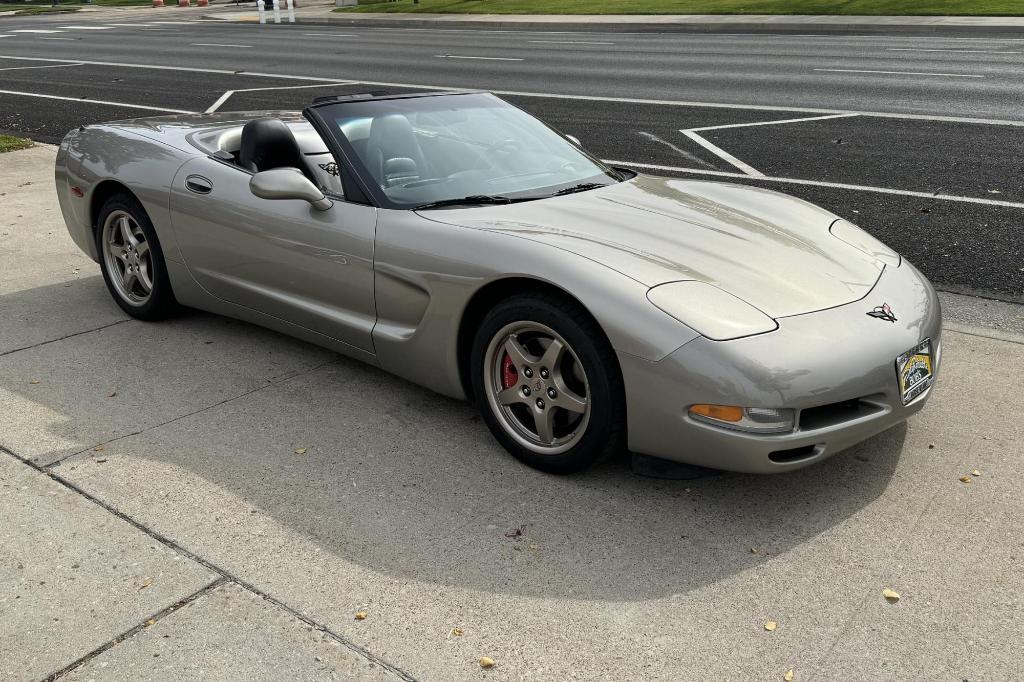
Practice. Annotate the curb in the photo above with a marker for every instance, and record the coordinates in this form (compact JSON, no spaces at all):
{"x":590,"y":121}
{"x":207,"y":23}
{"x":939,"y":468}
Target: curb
{"x":662,"y":26}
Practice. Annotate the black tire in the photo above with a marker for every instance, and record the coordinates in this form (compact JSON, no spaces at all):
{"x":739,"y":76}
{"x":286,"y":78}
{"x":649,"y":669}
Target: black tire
{"x":160,"y":302}
{"x":605,"y":431}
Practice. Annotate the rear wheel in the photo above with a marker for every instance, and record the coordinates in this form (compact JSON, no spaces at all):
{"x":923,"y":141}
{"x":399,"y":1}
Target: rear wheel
{"x":547,"y":383}
{"x":132,"y":260}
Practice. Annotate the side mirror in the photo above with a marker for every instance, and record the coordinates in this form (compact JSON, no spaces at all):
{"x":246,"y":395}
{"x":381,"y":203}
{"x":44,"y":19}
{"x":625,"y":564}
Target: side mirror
{"x":575,"y":140}
{"x":288,"y":183}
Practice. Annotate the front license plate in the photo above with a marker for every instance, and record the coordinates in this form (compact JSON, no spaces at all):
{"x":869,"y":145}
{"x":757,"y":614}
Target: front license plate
{"x":915,"y":369}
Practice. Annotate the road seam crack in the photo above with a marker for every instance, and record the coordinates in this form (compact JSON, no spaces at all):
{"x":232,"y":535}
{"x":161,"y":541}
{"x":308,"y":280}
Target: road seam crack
{"x":224,"y":574}
{"x":131,"y":632}
{"x":69,"y":336}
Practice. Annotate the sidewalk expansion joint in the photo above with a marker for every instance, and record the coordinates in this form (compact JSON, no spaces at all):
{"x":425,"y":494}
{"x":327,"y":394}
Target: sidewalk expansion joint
{"x":68,"y":336}
{"x":225,"y":575}
{"x":273,"y":381}
{"x":131,"y":632}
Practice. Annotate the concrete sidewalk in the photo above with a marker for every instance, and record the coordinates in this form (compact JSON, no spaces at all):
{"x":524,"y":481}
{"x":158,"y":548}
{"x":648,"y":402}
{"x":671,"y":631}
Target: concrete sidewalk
{"x":156,"y":521}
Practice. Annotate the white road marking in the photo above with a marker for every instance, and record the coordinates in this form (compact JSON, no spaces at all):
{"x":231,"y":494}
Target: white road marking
{"x":821,"y":183}
{"x":170,"y":30}
{"x":44,"y":66}
{"x":224,"y":98}
{"x":95,"y":101}
{"x":552,"y":95}
{"x":34,"y":30}
{"x":7,"y":35}
{"x":491,"y":59}
{"x":771,"y":123}
{"x":333,"y":35}
{"x":722,"y":154}
{"x":903,"y":73}
{"x":570,"y":42}
{"x":87,"y":28}
{"x":935,"y":49}
{"x":217,"y":45}
{"x":682,"y":152}
{"x":56,"y":38}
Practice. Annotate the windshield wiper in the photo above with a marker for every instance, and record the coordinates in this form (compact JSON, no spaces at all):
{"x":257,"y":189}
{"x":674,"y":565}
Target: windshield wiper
{"x":474,"y":199}
{"x":582,"y":187}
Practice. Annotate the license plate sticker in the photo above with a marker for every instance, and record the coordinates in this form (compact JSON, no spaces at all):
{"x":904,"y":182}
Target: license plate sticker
{"x":915,"y":370}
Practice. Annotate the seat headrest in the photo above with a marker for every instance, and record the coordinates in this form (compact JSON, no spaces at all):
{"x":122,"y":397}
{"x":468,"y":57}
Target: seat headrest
{"x":268,"y":143}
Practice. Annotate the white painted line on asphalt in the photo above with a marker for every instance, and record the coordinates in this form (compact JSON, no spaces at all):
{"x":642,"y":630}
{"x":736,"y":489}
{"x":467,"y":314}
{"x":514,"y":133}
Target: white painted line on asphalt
{"x":7,"y":35}
{"x":721,"y":153}
{"x":80,"y":100}
{"x":936,"y":49}
{"x":491,"y":59}
{"x":220,"y":100}
{"x":903,"y":73}
{"x":34,"y":30}
{"x":770,"y":123}
{"x":217,"y":45}
{"x":333,"y":35}
{"x":571,"y":42}
{"x":169,"y":30}
{"x":44,"y":66}
{"x":551,"y":95}
{"x":56,"y":38}
{"x":87,"y":28}
{"x":821,"y":183}
{"x":224,"y":98}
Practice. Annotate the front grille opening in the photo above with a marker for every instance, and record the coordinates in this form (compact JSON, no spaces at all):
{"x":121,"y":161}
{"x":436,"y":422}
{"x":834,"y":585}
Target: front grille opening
{"x":837,"y":413}
{"x":793,"y":454}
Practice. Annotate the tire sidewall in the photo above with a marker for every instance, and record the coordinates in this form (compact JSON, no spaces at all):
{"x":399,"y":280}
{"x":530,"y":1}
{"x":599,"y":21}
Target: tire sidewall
{"x":161,"y":299}
{"x":605,"y":396}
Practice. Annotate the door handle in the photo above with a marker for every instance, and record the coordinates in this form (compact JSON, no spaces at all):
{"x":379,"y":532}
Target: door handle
{"x":198,"y":184}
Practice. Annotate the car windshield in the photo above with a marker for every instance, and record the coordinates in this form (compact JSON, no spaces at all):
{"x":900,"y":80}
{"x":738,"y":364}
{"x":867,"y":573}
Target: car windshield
{"x":459,"y":148}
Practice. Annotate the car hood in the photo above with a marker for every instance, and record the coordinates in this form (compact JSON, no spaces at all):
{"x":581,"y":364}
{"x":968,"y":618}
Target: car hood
{"x":771,"y":250}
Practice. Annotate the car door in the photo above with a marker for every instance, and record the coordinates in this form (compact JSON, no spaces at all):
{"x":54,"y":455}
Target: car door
{"x":282,"y":257}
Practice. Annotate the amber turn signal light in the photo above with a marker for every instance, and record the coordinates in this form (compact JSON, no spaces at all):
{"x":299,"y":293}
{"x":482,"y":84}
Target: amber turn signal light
{"x":723,"y":413}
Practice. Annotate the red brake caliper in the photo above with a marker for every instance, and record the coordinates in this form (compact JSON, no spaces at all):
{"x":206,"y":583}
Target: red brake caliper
{"x":509,"y":375}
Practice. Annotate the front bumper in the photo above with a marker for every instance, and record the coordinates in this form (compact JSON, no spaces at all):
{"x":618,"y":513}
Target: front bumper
{"x":840,"y":362}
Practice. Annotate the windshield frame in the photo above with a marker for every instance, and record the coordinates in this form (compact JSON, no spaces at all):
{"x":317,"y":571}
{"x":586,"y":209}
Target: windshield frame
{"x":318,"y":114}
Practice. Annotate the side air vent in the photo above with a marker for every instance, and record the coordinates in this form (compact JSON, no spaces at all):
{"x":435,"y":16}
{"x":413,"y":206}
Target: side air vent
{"x":837,"y":413}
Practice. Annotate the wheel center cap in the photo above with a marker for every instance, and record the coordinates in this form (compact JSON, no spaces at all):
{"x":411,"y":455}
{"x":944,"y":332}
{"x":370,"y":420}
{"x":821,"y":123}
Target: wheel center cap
{"x":538,"y":385}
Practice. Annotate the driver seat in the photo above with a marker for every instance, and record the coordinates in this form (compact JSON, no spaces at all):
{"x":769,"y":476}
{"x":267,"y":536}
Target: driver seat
{"x":393,"y":154}
{"x":268,"y":143}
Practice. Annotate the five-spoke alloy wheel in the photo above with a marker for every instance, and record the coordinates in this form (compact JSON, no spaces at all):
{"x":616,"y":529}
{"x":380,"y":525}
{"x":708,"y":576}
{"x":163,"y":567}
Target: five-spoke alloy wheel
{"x":547,"y":383}
{"x":131,"y":259}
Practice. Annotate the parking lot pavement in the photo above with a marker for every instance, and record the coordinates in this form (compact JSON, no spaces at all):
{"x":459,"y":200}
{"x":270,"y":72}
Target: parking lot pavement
{"x":313,"y":487}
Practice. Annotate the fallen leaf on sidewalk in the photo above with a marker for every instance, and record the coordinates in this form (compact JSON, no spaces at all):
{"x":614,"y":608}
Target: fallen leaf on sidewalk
{"x":515,"y":533}
{"x":34,"y":381}
{"x":112,"y":393}
{"x":788,"y":677}
{"x":891,"y":596}
{"x":98,"y":448}
{"x":456,"y":632}
{"x":486,"y":662}
{"x":151,"y":621}
{"x":300,"y":451}
{"x":146,"y":583}
{"x":99,"y":460}
{"x":770,"y":626}
{"x":966,"y":479}
{"x":975,"y":473}
{"x":360,"y":615}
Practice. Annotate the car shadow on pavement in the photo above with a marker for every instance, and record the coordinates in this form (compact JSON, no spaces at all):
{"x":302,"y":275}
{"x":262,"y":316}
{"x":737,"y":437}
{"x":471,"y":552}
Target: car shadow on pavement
{"x":238,"y":442}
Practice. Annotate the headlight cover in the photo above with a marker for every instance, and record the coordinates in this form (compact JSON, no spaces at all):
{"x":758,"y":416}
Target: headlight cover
{"x":708,"y":310}
{"x":762,"y":420}
{"x":847,"y":232}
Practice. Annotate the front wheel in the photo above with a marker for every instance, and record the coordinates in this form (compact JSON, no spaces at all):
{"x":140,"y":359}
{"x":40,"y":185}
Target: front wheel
{"x":547,"y":383}
{"x":132,"y":260}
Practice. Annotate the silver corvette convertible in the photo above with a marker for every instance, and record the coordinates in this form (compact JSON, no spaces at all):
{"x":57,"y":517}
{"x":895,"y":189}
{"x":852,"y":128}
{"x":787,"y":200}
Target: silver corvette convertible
{"x":455,"y":240}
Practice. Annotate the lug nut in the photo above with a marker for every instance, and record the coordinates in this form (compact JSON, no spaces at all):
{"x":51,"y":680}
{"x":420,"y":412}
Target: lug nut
{"x":540,"y":403}
{"x":527,"y":372}
{"x":543,"y":372}
{"x":552,"y":394}
{"x":526,"y":390}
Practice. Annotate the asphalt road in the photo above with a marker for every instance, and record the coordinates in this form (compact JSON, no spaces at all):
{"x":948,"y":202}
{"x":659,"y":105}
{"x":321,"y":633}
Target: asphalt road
{"x":917,"y":139}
